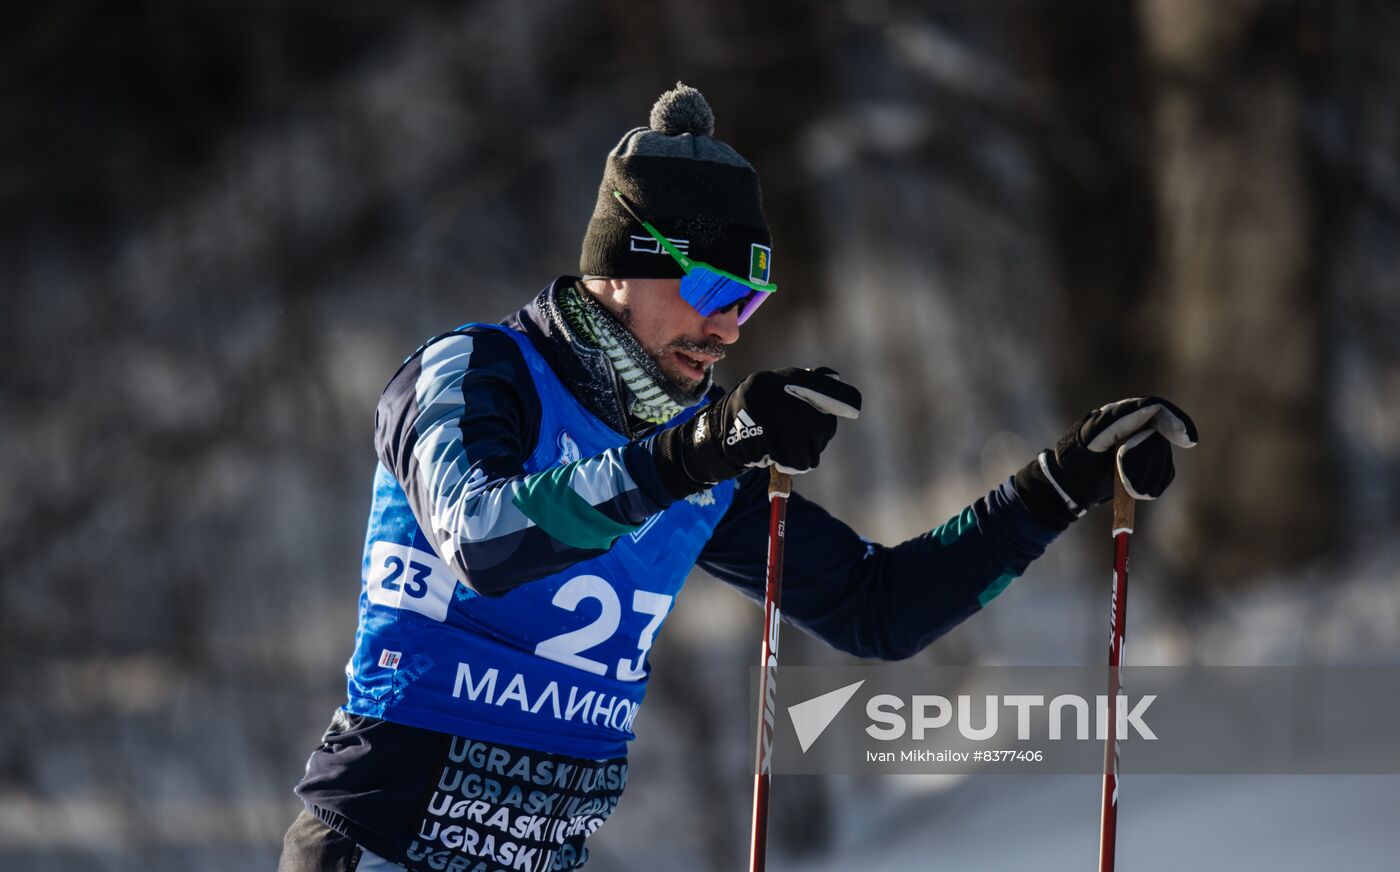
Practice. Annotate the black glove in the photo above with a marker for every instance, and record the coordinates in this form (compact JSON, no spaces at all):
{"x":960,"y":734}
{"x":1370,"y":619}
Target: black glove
{"x":1077,"y":474}
{"x":782,"y":418}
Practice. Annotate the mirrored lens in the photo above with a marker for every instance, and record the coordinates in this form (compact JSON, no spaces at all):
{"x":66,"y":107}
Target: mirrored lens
{"x":751,"y":305}
{"x":708,"y":292}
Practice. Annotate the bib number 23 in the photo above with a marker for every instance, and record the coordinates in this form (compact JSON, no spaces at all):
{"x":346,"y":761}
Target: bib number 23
{"x":402,"y":577}
{"x":568,"y":648}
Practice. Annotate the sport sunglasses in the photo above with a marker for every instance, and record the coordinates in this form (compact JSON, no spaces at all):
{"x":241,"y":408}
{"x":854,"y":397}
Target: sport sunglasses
{"x":708,"y":289}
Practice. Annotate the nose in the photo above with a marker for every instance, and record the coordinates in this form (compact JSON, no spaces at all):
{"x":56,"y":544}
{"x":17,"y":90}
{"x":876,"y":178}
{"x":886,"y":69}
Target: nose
{"x":723,"y":326}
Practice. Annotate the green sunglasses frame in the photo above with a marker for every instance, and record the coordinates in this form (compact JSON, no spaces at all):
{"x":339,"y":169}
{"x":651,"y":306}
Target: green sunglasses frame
{"x":687,"y":263}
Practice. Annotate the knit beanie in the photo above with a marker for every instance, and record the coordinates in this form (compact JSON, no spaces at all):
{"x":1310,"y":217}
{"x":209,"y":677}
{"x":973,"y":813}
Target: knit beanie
{"x":695,"y":190}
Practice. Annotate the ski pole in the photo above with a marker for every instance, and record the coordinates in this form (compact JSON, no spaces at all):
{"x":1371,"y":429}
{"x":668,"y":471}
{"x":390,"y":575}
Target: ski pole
{"x":1123,"y":511}
{"x":779,"y":487}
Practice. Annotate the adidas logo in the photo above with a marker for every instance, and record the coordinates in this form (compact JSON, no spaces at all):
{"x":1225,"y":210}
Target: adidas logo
{"x":743,"y":428}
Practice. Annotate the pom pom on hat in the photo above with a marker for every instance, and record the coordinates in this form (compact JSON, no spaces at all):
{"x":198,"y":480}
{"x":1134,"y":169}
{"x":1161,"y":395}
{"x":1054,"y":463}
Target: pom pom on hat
{"x":683,"y":110}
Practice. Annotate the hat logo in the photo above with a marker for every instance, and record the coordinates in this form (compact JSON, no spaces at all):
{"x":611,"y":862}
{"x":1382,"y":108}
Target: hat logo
{"x":649,"y":245}
{"x":760,"y":261}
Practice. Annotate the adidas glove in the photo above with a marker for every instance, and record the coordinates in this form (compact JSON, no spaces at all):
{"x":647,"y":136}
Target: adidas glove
{"x":782,"y":418}
{"x":1077,"y":474}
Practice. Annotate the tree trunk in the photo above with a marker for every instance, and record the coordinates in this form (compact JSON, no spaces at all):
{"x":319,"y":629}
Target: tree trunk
{"x":1243,"y":309}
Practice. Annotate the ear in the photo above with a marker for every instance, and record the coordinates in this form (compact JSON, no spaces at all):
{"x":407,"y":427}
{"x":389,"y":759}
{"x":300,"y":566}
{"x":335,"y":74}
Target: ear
{"x":607,"y":291}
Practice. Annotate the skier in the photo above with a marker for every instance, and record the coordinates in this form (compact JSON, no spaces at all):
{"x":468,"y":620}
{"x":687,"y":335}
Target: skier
{"x":546,"y":484}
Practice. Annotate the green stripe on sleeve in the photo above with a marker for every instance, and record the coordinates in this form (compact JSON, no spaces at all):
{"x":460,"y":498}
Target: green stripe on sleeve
{"x":951,"y":531}
{"x":993,"y":590}
{"x":557,"y":509}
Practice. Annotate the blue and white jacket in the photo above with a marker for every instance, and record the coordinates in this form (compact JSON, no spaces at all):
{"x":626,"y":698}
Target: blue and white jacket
{"x":522,"y":554}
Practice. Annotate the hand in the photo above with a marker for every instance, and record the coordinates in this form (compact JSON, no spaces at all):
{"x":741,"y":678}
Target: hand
{"x":782,"y":418}
{"x":1135,"y":436}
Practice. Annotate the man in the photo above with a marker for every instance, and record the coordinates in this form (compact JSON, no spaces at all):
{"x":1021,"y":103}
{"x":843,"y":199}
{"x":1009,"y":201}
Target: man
{"x":545,"y":486}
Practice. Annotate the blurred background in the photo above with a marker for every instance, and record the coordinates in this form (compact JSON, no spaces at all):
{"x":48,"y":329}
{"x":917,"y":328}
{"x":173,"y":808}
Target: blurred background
{"x":223,"y":225}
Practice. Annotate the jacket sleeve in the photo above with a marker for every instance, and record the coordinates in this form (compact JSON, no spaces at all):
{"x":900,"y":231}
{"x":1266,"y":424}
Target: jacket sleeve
{"x":456,"y":426}
{"x":865,"y":598}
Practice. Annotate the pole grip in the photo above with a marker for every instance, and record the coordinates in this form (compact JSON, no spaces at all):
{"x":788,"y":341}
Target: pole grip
{"x":779,"y":483}
{"x":1124,"y":506}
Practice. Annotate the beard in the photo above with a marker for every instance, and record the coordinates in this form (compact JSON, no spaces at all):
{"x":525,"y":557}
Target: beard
{"x":686,"y":390}
{"x":682,"y":389}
